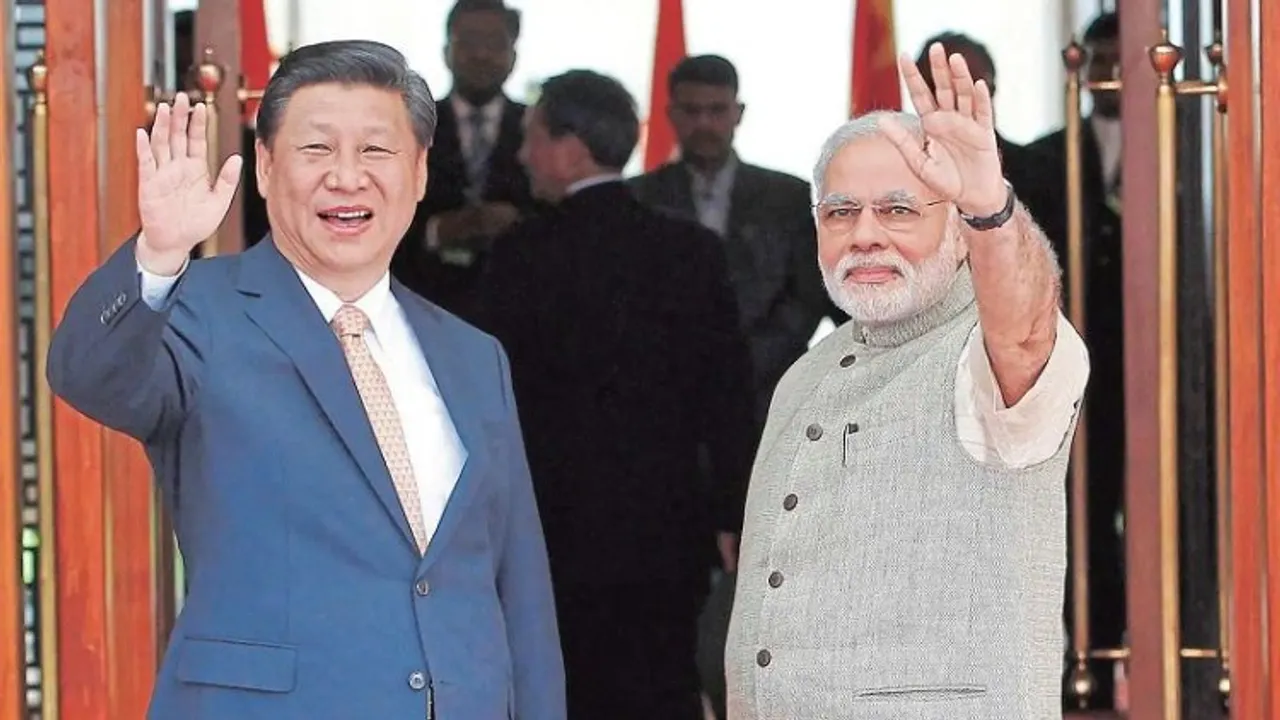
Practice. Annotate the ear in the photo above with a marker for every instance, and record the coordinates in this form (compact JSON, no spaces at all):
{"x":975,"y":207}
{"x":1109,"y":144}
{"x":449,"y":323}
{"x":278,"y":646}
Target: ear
{"x":742,"y":108}
{"x":262,"y":166}
{"x":420,"y":173}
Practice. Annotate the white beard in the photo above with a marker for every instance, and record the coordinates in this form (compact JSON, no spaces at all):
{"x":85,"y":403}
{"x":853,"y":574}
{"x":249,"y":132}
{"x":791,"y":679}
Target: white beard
{"x":919,"y":287}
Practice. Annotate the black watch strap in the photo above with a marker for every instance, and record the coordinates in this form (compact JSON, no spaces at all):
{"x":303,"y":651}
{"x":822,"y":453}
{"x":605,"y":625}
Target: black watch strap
{"x":991,"y":222}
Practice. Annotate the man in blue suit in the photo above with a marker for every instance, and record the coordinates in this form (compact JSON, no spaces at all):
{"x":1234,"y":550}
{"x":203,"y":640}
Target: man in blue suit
{"x":343,"y":460}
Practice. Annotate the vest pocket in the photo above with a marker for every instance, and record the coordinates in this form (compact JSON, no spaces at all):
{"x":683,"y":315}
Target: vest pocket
{"x":922,"y":693}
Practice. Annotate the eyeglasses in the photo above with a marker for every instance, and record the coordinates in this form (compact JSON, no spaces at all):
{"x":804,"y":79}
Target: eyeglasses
{"x":894,"y":215}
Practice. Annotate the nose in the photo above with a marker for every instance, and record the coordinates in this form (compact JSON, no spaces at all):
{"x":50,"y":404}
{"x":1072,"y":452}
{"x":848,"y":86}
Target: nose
{"x":347,"y":173}
{"x":867,"y":235}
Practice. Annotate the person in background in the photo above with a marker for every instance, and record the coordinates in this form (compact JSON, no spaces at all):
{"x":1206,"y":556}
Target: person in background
{"x":342,"y":460}
{"x":1104,"y":407}
{"x":478,"y":188}
{"x":762,"y":216}
{"x":628,"y":364}
{"x":765,"y":223}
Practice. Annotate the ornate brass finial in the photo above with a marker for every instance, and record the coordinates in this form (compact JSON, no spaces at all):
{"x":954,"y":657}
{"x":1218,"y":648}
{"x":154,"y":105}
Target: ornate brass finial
{"x":38,"y":76}
{"x":1073,"y":56}
{"x":1165,"y":56}
{"x":209,"y":75}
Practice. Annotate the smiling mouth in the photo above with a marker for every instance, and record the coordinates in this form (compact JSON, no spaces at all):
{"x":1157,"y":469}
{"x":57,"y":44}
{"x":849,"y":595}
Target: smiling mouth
{"x":346,"y":219}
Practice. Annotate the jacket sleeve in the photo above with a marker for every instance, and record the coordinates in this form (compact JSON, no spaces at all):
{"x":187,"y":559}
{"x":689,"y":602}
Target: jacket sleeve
{"x":115,"y":359}
{"x":524,"y":583}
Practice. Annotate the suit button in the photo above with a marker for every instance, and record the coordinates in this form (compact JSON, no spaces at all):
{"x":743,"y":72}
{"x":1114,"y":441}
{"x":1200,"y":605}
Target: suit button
{"x":121,"y":299}
{"x":417,"y":681}
{"x":789,"y":502}
{"x":422,"y":587}
{"x":813,"y":432}
{"x":848,"y":360}
{"x":763,"y":658}
{"x":775,"y":579}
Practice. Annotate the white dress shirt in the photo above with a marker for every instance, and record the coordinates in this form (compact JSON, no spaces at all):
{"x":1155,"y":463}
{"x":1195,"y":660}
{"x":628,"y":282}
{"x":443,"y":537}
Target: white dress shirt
{"x":435,"y":450}
{"x":712,"y":195}
{"x":1032,"y":430}
{"x":1108,"y":133}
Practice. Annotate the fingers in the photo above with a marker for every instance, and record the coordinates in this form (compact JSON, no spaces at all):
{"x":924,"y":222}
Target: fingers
{"x":178,"y":123}
{"x":197,"y":134}
{"x":963,"y":84}
{"x":160,"y":134}
{"x":146,"y":161}
{"x":917,"y":88}
{"x":228,"y":178}
{"x":908,"y":144}
{"x":983,"y":111}
{"x":942,"y":82}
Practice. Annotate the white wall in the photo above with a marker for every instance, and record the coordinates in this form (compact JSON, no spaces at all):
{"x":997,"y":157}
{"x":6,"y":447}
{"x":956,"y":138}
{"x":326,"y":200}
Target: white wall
{"x":794,"y":64}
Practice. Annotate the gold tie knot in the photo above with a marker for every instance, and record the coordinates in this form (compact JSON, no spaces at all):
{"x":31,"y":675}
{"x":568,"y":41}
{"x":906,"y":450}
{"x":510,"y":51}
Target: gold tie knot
{"x":350,"y":321}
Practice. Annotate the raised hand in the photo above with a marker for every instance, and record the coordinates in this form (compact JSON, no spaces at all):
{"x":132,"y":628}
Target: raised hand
{"x":178,"y":203}
{"x":958,"y":158}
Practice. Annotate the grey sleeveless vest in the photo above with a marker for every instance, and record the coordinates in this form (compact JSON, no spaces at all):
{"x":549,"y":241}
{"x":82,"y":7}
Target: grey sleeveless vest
{"x":885,"y":574}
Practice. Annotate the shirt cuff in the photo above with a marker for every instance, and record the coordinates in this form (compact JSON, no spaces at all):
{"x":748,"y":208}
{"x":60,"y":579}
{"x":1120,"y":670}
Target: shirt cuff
{"x":155,"y":289}
{"x":1032,"y":430}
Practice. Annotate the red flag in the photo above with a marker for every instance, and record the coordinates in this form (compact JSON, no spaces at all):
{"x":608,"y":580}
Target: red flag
{"x":668,"y":50}
{"x":875,"y":83}
{"x":255,"y":52}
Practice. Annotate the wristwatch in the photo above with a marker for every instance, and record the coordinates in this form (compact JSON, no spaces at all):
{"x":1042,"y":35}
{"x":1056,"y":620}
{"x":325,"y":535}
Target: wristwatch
{"x":991,"y":222}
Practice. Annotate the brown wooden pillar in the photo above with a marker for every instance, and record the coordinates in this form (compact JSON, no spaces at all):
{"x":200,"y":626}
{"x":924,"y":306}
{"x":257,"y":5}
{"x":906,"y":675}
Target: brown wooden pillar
{"x":128,"y":486}
{"x":83,"y":682}
{"x":1269,"y":68}
{"x":1152,"y":622}
{"x":1249,"y":672}
{"x":12,"y":681}
{"x":218,"y":29}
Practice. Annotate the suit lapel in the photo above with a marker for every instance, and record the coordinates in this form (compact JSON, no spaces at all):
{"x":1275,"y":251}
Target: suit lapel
{"x":453,"y":377}
{"x":278,"y":303}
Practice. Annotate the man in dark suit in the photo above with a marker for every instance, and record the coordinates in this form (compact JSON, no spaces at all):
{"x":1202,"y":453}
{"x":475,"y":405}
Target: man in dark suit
{"x":764,"y":217}
{"x":342,"y":459}
{"x":628,"y":363}
{"x":1018,"y":161}
{"x":1103,"y":331}
{"x":478,"y":188}
{"x":765,"y":221}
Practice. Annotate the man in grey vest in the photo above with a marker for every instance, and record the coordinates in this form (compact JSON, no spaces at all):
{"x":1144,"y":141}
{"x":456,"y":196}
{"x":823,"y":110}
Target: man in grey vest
{"x":905,"y":541}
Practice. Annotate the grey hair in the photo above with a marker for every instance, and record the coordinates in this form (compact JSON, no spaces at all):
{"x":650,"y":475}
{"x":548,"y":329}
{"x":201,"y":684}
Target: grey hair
{"x":862,"y":126}
{"x":347,"y":62}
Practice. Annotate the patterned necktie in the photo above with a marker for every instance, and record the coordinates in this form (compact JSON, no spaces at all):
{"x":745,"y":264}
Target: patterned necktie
{"x":478,"y":152}
{"x":351,"y":324}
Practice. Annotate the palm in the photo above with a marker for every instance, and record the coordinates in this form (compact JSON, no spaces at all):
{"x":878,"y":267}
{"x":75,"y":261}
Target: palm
{"x":178,"y":203}
{"x":958,"y":158}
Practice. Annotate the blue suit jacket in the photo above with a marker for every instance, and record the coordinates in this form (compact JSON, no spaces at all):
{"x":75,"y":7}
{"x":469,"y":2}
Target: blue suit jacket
{"x":307,"y":597}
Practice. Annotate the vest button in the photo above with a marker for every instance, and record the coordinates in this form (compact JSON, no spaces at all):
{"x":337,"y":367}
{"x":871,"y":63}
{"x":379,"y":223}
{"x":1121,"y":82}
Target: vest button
{"x":422,"y":587}
{"x":789,"y":502}
{"x":763,"y":658}
{"x":848,"y":360}
{"x":775,"y":579}
{"x":813,"y":432}
{"x":417,"y":681}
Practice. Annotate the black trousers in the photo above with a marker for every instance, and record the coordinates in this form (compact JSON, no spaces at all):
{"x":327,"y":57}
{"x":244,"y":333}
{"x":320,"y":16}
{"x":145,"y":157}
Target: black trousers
{"x":629,"y":650}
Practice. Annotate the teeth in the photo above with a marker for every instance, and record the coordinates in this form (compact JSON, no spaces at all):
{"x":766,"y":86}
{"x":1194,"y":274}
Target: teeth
{"x":351,"y":214}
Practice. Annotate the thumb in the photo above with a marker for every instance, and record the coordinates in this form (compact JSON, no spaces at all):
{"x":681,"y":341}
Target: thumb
{"x":228,"y":179}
